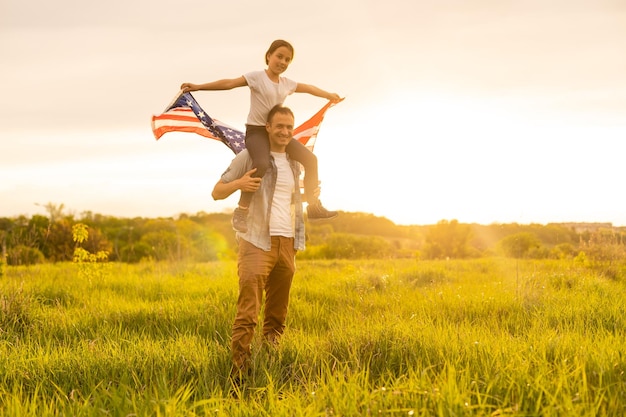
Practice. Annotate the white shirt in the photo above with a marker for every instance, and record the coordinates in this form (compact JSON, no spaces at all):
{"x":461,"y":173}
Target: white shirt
{"x":282,"y":219}
{"x":265,"y":94}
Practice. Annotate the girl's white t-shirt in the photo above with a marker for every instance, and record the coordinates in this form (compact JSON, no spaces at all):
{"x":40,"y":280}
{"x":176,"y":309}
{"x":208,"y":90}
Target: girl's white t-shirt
{"x":281,"y":218}
{"x":265,"y":94}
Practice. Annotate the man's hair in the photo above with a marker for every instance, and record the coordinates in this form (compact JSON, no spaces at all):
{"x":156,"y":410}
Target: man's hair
{"x":279,"y":109}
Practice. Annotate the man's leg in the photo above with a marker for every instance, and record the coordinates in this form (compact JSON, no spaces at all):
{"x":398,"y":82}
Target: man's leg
{"x":254,"y":265}
{"x":277,"y":290}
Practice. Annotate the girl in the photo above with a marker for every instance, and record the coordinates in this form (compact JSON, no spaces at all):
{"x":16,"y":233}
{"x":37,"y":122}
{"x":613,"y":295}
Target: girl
{"x":268,"y":88}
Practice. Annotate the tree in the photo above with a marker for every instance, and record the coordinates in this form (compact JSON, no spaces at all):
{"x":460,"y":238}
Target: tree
{"x":447,"y":239}
{"x":59,"y":245}
{"x":519,"y":245}
{"x":54,"y":211}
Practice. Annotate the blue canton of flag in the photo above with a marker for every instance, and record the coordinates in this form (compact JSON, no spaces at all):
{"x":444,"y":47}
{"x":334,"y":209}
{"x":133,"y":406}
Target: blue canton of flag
{"x":231,"y":137}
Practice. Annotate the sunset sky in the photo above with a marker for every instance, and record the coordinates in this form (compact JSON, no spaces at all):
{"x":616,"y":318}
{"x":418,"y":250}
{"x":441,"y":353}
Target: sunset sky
{"x":482,"y":111}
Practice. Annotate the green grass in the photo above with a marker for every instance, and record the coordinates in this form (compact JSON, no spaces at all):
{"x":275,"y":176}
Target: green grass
{"x":489,"y":337}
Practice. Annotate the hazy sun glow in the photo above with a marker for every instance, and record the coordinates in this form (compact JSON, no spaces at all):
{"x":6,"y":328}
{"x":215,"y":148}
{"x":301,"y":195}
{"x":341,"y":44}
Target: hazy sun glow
{"x":439,"y":157}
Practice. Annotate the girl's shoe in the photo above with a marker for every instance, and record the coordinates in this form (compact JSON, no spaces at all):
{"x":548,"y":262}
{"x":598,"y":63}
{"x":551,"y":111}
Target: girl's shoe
{"x":315,"y":211}
{"x":240,"y":220}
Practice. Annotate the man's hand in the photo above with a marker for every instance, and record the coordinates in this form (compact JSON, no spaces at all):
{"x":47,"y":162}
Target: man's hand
{"x":248,"y":183}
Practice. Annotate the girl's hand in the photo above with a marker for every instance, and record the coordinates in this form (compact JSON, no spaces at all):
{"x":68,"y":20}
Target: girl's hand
{"x":334,"y":97}
{"x":187,"y":87}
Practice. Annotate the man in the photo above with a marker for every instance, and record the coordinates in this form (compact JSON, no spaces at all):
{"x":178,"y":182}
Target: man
{"x":266,"y":258}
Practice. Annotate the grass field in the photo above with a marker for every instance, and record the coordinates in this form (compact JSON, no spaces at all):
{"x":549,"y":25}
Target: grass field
{"x":493,"y":337}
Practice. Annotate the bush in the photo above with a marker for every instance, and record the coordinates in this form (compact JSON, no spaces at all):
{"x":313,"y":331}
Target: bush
{"x":540,"y":252}
{"x":563,"y":251}
{"x":347,"y":246}
{"x":448,"y":239}
{"x":606,"y":253}
{"x":15,"y":311}
{"x":24,"y":255}
{"x":520,"y":245}
{"x":136,"y":252}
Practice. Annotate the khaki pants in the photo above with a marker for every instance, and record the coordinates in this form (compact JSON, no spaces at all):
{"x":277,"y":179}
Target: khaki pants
{"x":261,"y":271}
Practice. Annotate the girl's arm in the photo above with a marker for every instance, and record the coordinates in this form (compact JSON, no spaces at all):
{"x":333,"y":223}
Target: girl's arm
{"x":316,"y":91}
{"x":225,"y":84}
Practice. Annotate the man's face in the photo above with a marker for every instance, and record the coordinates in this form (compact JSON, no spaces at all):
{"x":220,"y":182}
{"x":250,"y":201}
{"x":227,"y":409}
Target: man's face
{"x":280,"y":130}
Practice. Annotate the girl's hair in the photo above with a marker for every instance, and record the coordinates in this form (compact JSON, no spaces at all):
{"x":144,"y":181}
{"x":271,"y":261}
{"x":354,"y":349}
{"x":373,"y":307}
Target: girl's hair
{"x":275,"y":45}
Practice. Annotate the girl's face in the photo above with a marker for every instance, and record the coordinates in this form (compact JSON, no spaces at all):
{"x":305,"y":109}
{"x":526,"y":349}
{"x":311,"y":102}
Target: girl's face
{"x":279,"y":60}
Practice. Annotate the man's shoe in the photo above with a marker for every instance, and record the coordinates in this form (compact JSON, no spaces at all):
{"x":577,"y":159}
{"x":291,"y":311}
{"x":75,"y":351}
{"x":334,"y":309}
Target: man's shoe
{"x":315,"y":211}
{"x":237,"y":386}
{"x":238,"y":380}
{"x":240,"y":222}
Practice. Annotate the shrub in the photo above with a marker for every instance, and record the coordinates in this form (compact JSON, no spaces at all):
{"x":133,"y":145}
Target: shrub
{"x":448,"y":239}
{"x":606,"y":253}
{"x":347,"y":246}
{"x":91,"y":265}
{"x":24,"y":255}
{"x":563,"y":251}
{"x":519,"y":245}
{"x":15,"y":311}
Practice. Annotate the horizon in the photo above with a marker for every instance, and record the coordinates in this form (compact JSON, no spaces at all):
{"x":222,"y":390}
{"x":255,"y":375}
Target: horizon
{"x":61,"y":209}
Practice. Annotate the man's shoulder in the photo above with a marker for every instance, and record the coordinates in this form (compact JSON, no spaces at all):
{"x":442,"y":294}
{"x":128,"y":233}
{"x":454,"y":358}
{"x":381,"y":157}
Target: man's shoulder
{"x":242,"y":159}
{"x":243,"y":155}
{"x":241,"y":163}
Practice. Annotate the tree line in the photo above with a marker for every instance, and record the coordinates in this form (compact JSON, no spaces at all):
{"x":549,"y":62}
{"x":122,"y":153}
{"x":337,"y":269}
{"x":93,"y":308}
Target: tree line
{"x":204,"y":237}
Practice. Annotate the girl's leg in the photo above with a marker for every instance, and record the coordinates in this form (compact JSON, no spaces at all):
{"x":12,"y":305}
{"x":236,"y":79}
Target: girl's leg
{"x":302,"y":154}
{"x":258,"y":145}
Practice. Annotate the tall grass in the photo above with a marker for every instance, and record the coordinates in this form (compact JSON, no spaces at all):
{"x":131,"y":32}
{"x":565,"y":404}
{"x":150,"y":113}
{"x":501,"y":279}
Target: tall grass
{"x":484,"y":337}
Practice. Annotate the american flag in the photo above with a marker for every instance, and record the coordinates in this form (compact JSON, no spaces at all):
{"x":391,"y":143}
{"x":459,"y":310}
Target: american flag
{"x":186,"y":115}
{"x":306,"y":133}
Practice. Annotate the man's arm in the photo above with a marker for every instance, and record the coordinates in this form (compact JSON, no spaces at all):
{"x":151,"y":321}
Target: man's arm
{"x":246,"y":183}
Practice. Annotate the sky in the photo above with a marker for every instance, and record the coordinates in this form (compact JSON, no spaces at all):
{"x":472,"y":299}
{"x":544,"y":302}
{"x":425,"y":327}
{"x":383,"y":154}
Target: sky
{"x":483,"y":111}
